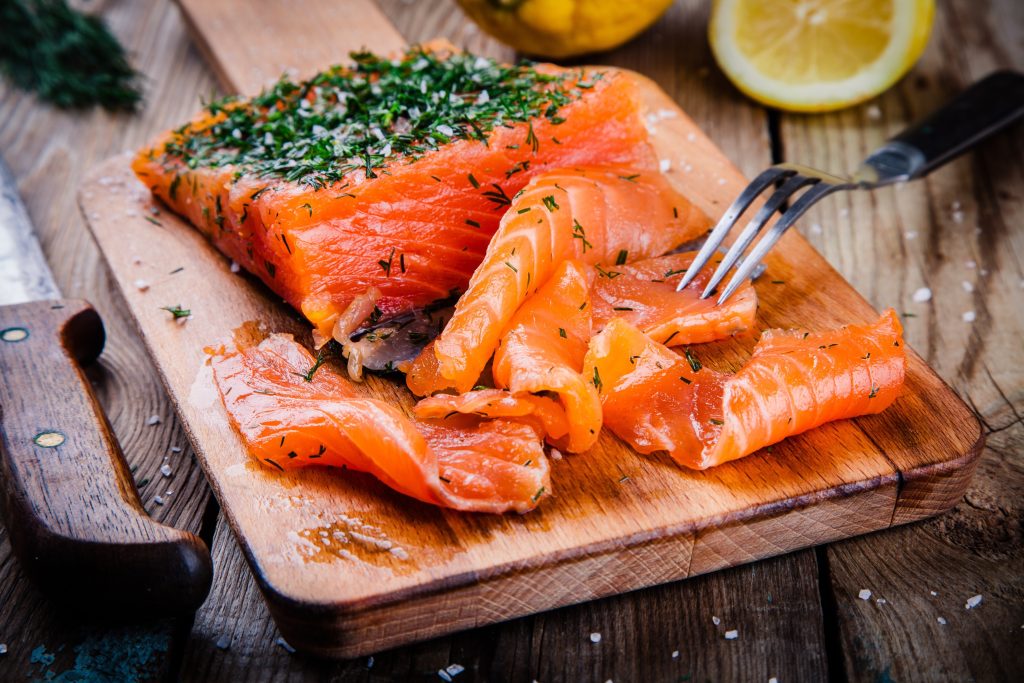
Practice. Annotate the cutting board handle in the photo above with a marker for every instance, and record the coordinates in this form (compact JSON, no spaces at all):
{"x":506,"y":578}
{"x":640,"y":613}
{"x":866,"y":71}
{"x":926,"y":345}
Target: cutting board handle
{"x":75,"y":519}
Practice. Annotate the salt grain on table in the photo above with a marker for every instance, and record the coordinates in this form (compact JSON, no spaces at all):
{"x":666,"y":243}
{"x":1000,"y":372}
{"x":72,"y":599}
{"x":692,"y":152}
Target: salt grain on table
{"x":158,"y":500}
{"x":973,"y":602}
{"x":235,"y":268}
{"x":864,"y":594}
{"x":3,"y":649}
{"x":175,"y":449}
{"x":933,"y":593}
{"x":153,"y":420}
{"x":969,"y":316}
{"x":675,"y":654}
{"x":816,"y":228}
{"x":283,"y":644}
{"x":773,"y":679}
{"x":141,"y":285}
{"x":732,"y":635}
{"x":910,"y":234}
{"x":443,"y":675}
{"x":595,"y":637}
{"x":369,"y":663}
{"x":716,"y":621}
{"x":223,"y":643}
{"x":165,"y":470}
{"x":922,"y":295}
{"x":665,"y":165}
{"x":941,"y":620}
{"x":455,"y":669}
{"x":968,"y":287}
{"x":880,"y":601}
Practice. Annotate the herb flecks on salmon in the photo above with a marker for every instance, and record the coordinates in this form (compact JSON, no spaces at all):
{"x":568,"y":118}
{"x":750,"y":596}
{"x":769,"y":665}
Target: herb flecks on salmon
{"x":359,"y":116}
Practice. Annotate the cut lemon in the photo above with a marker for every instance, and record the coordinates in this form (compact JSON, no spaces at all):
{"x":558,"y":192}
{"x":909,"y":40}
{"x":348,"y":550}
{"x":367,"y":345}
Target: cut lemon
{"x":818,"y":55}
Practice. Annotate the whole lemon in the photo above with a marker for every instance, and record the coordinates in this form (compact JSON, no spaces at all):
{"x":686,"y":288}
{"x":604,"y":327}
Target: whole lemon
{"x":564,"y":28}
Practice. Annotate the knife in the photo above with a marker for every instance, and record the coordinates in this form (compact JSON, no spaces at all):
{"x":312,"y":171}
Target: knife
{"x":76,"y":523}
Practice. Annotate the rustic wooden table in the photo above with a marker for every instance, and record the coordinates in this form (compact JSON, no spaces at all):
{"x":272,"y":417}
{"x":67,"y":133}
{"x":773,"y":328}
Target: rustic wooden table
{"x":799,"y":617}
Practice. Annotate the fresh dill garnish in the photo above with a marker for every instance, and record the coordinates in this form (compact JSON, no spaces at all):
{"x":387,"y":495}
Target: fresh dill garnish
{"x":540,"y":492}
{"x":511,"y":267}
{"x":597,"y":380}
{"x":610,"y":274}
{"x":308,"y":375}
{"x":874,"y":392}
{"x":369,"y":114}
{"x":579,"y":234}
{"x":69,"y":58}
{"x":473,"y":223}
{"x":498,"y":196}
{"x":177,"y":311}
{"x":386,"y":265}
{"x":621,"y":258}
{"x":561,"y":333}
{"x":692,"y":360}
{"x":522,"y":211}
{"x":550,"y":203}
{"x":474,"y":182}
{"x":718,"y":423}
{"x":630,"y":178}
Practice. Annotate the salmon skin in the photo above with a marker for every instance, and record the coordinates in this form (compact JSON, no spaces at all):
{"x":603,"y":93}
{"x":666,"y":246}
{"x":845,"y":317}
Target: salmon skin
{"x":597,"y":215}
{"x":292,"y":412}
{"x":657,"y":400}
{"x":386,"y":174}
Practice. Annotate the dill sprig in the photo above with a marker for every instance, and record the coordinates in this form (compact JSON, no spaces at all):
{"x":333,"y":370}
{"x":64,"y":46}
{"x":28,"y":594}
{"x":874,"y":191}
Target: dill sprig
{"x":369,"y":114}
{"x":69,"y":58}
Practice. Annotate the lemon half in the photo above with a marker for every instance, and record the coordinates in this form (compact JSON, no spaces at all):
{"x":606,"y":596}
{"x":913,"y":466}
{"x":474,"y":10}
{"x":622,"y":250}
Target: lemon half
{"x":818,"y":55}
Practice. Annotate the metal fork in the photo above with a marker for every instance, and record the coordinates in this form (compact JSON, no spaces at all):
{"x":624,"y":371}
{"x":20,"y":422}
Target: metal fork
{"x":986,"y":107}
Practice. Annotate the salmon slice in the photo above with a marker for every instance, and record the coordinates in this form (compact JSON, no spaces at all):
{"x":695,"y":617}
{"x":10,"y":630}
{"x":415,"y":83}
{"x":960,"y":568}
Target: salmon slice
{"x":794,"y":381}
{"x":644,"y":294}
{"x":387,"y":174}
{"x":598,"y":215}
{"x":292,"y":413}
{"x":542,"y":352}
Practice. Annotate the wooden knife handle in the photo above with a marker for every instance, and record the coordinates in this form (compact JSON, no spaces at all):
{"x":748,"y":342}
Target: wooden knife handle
{"x":74,"y":516}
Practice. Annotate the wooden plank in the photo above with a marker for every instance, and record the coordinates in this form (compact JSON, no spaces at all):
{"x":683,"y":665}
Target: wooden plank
{"x":49,"y":150}
{"x":458,"y":563}
{"x":250,"y":49}
{"x":959,"y":234}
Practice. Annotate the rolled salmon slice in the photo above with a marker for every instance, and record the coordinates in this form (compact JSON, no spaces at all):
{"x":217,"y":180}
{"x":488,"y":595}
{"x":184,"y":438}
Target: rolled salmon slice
{"x":597,"y":215}
{"x":657,"y":400}
{"x":291,"y":412}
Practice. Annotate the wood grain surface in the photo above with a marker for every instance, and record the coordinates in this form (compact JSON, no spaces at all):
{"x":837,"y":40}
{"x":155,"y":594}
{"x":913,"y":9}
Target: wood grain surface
{"x":617,"y":522}
{"x":817,"y":627}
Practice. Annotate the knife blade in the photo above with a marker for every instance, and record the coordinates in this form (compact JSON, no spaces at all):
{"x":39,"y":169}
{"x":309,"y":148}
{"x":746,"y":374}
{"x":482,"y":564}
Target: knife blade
{"x":76,"y":523}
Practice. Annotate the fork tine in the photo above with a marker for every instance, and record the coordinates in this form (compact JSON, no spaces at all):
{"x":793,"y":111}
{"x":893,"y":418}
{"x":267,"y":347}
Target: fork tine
{"x":729,"y":218}
{"x":754,"y":227}
{"x":775,"y":233}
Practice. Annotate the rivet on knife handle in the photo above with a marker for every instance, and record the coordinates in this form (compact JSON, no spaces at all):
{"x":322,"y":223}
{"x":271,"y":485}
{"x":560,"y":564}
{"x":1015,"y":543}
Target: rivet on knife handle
{"x":71,"y":508}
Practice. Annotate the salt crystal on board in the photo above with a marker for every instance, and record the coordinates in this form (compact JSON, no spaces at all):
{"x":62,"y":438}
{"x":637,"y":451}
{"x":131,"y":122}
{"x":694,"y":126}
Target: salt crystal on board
{"x":732,"y":635}
{"x":175,"y":449}
{"x":3,"y":649}
{"x":941,"y":620}
{"x":968,"y":287}
{"x":880,"y":601}
{"x":158,"y":500}
{"x":283,"y":644}
{"x":971,"y":263}
{"x":922,"y":295}
{"x":153,"y":420}
{"x":235,"y":268}
{"x":675,"y":654}
{"x":369,"y":663}
{"x":816,"y":228}
{"x":969,"y":316}
{"x":665,"y":165}
{"x":141,"y":285}
{"x":716,"y":621}
{"x":874,"y":112}
{"x":165,"y":470}
{"x":972,"y":602}
{"x":864,"y":594}
{"x":455,"y":669}
{"x":933,"y":593}
{"x":595,"y":637}
{"x":443,"y":675}
{"x":773,"y":679}
{"x":223,"y":643}
{"x":910,"y":234}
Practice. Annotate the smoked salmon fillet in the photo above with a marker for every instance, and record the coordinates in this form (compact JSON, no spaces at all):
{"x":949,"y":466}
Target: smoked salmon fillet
{"x":597,"y":215}
{"x":387,"y":174}
{"x":292,"y":412}
{"x":657,"y":400}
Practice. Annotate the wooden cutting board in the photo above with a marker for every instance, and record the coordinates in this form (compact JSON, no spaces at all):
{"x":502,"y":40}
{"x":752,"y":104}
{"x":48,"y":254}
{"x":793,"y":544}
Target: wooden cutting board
{"x":349,"y":567}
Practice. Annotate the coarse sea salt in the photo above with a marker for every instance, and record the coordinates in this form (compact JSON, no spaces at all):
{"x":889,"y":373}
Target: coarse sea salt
{"x":166,"y":470}
{"x":3,"y":649}
{"x":235,"y":268}
{"x":732,"y":635}
{"x":369,"y":663}
{"x":675,"y":654}
{"x":773,"y":679}
{"x":716,"y":621}
{"x":864,"y":594}
{"x":972,"y":602}
{"x":153,"y":420}
{"x":454,"y":669}
{"x":922,"y":295}
{"x":969,"y":316}
{"x":595,"y":637}
{"x":665,"y":165}
{"x":141,"y":285}
{"x":941,"y":620}
{"x":968,"y":287}
{"x":223,"y":643}
{"x":283,"y":644}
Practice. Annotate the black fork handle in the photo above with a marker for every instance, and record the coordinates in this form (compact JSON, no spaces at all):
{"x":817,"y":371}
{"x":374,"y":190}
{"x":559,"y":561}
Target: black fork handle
{"x":986,"y":107}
